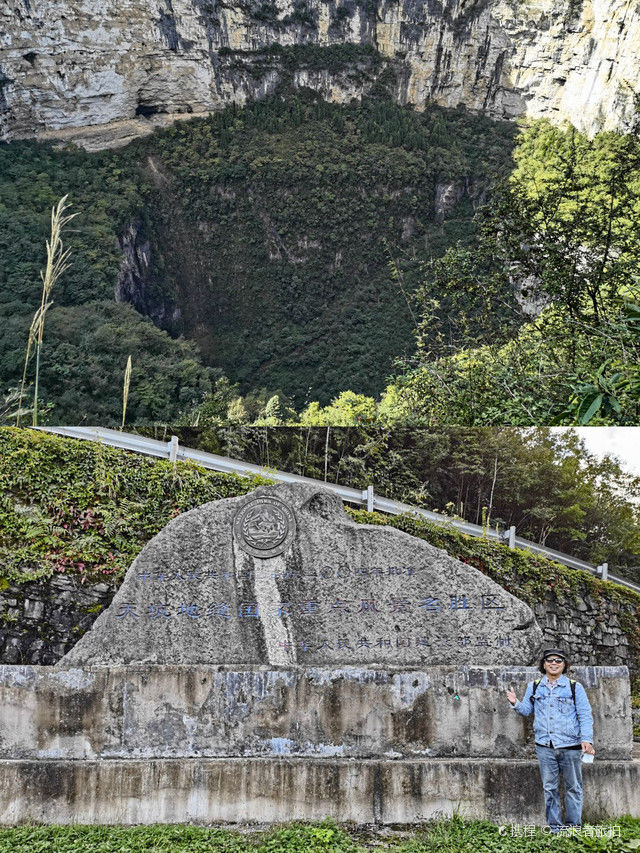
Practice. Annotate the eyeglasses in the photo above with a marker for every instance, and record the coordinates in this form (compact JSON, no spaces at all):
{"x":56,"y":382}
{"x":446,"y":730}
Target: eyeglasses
{"x":554,"y":660}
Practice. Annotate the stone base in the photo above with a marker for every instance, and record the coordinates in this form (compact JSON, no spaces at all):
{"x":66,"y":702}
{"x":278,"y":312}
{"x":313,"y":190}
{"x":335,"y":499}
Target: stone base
{"x":207,"y":744}
{"x":268,"y":790}
{"x":186,"y":712}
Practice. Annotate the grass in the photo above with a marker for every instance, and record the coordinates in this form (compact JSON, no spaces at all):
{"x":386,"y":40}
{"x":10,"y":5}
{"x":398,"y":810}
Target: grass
{"x":444,"y":836}
{"x":125,"y":391}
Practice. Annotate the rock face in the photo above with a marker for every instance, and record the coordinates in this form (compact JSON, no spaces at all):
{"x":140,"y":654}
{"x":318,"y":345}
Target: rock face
{"x":134,"y":278}
{"x":283,"y":576}
{"x":117,"y":68}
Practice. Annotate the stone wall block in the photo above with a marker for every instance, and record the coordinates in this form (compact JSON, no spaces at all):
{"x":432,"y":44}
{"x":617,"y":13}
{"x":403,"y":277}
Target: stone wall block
{"x":184,"y":712}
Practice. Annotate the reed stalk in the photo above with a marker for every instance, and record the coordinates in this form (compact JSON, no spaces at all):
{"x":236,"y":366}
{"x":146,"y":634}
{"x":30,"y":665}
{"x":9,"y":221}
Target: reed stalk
{"x":57,"y":263}
{"x":125,"y":391}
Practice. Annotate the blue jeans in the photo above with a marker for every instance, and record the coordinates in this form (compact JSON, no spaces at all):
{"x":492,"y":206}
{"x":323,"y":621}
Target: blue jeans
{"x":568,"y":762}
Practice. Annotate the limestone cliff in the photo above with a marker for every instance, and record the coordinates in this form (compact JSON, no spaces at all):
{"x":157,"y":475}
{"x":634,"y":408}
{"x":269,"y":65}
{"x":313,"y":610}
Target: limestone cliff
{"x":119,"y":66}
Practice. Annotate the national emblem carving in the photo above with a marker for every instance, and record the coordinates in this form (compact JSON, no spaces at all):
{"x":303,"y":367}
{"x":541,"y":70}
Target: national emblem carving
{"x":264,"y":527}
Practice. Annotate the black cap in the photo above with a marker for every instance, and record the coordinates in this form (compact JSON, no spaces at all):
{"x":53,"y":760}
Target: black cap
{"x":547,"y":652}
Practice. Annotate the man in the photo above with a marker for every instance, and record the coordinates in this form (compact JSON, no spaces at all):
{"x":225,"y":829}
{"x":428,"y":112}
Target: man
{"x":563,"y":729}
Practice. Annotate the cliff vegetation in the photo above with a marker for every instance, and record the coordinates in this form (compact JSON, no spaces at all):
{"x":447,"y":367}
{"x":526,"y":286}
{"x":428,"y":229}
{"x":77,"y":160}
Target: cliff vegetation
{"x":278,"y":263}
{"x":262,"y":235}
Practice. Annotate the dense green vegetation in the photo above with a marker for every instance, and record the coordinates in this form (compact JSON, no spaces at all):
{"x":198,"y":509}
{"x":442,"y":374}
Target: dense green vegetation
{"x":455,"y":835}
{"x":271,"y":229}
{"x":87,"y":336}
{"x":565,"y":229}
{"x":536,"y":320}
{"x":301,"y":246}
{"x":357,"y":60}
{"x":77,"y":507}
{"x":298,"y":207}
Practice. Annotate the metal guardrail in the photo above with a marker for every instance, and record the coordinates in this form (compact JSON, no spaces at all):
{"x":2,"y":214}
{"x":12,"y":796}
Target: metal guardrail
{"x":173,"y":451}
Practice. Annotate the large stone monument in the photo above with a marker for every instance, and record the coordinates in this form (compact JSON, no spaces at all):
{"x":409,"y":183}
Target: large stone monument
{"x":268,"y":659}
{"x":283,"y":576}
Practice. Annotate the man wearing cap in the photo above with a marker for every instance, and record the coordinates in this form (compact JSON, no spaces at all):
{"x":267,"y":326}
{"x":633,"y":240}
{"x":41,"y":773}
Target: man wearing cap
{"x":563,"y":729}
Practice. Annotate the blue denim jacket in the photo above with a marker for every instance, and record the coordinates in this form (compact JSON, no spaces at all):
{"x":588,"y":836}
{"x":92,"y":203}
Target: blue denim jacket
{"x":556,"y":718}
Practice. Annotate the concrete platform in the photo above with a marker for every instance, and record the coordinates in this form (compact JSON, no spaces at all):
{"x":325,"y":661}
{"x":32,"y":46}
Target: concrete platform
{"x":263,"y":790}
{"x":258,"y":744}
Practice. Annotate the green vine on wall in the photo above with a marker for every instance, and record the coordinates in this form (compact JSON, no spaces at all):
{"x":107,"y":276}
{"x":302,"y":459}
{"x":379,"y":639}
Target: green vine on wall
{"x":74,"y":507}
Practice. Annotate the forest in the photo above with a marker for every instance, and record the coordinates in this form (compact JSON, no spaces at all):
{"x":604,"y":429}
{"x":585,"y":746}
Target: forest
{"x":269,"y":230}
{"x":300,"y":262}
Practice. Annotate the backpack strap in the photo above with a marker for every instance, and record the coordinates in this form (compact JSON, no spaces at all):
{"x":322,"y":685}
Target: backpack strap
{"x":535,"y":687}
{"x":572,"y":682}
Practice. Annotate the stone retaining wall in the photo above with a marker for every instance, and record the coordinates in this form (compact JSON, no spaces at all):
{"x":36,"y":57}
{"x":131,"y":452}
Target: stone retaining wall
{"x":348,"y":712}
{"x":588,"y":628}
{"x":41,"y":620}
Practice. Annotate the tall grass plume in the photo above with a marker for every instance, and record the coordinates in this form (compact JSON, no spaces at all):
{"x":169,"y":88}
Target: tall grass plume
{"x":125,"y":391}
{"x":57,"y":263}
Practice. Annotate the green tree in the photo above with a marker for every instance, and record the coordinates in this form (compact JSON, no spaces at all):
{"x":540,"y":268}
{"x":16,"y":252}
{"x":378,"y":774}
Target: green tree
{"x":87,"y":347}
{"x":213,"y":408}
{"x":534,"y":323}
{"x":570,"y":216}
{"x":237,"y":412}
{"x":273,"y":413}
{"x":347,"y":409}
